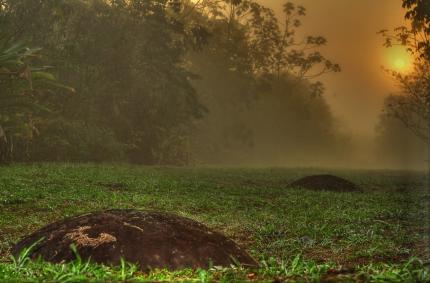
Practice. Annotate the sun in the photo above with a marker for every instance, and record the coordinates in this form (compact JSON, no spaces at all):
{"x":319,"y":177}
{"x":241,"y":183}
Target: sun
{"x":400,"y":64}
{"x":398,"y":59}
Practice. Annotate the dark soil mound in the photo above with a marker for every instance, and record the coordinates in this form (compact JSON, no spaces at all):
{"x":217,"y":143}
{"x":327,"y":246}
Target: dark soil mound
{"x":326,"y":183}
{"x":149,"y":239}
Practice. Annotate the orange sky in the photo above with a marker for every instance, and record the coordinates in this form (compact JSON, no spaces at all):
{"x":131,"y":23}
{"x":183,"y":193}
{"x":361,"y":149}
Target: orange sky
{"x":356,"y":94}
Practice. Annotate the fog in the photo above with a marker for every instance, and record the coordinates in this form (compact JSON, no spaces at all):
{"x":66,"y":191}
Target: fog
{"x":355,"y":97}
{"x":204,"y":83}
{"x":356,"y":94}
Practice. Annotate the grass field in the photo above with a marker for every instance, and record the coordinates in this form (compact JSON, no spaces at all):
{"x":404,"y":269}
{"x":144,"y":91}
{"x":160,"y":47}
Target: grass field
{"x":379,"y":235}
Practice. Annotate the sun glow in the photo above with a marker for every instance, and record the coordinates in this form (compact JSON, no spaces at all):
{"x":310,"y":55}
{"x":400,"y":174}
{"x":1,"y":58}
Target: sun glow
{"x":400,"y":64}
{"x":398,"y":59}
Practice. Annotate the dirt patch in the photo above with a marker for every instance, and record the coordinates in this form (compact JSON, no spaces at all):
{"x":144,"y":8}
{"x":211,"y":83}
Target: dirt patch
{"x":326,"y":183}
{"x":149,"y":239}
{"x":81,"y":238}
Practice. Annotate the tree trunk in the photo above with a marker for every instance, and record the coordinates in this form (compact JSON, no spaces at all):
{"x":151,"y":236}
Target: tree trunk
{"x":5,"y":148}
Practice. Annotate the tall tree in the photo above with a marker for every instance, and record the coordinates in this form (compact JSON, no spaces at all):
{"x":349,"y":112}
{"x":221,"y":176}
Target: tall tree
{"x":255,"y":76}
{"x":396,"y":145}
{"x":413,"y":107}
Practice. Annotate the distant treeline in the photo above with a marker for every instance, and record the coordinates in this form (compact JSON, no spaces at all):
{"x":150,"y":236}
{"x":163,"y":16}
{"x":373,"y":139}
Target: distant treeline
{"x":162,"y":82}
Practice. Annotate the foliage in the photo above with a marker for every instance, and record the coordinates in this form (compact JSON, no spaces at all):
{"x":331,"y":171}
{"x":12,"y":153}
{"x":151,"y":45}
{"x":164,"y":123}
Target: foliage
{"x":125,"y":65}
{"x":413,"y":108}
{"x":22,"y":94}
{"x":133,"y":65}
{"x":267,"y":108}
{"x":419,"y":13}
{"x":65,"y":140}
{"x":392,"y":135}
{"x":272,"y":48}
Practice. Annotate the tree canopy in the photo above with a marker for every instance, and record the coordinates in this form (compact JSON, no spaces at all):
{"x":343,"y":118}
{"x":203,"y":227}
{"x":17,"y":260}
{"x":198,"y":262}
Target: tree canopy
{"x":156,"y":80}
{"x":412,"y":108}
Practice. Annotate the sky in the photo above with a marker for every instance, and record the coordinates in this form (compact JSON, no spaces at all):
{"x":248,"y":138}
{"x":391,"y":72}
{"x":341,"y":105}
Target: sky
{"x":356,"y":94}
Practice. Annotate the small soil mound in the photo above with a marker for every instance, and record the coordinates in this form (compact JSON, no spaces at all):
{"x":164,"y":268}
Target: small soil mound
{"x":149,"y":239}
{"x":326,"y":183}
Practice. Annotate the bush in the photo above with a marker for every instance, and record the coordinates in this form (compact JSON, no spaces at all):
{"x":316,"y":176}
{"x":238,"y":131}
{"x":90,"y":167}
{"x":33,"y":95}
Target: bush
{"x":63,"y":140}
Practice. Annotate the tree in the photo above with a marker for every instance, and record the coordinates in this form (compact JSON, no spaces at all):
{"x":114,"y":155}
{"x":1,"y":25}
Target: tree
{"x":125,"y":59}
{"x":396,"y":145}
{"x":273,"y":48}
{"x":255,"y":77}
{"x":413,"y":107}
{"x":22,"y":91}
{"x":419,"y":13}
{"x":133,"y":65}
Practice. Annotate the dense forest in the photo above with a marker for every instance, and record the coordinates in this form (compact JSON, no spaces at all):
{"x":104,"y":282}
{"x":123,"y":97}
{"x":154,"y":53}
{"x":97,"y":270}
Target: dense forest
{"x":159,"y":82}
{"x":163,"y":82}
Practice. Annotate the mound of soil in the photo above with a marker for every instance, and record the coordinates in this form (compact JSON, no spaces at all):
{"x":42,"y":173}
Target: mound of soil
{"x":149,"y":239}
{"x":326,"y":183}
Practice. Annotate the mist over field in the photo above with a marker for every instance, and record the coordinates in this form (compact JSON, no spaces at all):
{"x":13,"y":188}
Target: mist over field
{"x":202,"y":83}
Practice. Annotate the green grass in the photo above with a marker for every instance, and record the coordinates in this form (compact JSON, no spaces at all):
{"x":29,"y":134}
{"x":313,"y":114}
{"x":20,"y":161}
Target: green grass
{"x":379,"y":235}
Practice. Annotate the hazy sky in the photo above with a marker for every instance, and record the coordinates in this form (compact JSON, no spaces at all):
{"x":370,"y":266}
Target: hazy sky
{"x":356,"y":94}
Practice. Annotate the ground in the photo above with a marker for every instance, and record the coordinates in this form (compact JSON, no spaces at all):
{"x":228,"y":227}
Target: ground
{"x":379,"y":234}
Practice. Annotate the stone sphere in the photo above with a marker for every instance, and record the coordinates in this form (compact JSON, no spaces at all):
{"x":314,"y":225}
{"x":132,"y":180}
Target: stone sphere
{"x":148,"y":239}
